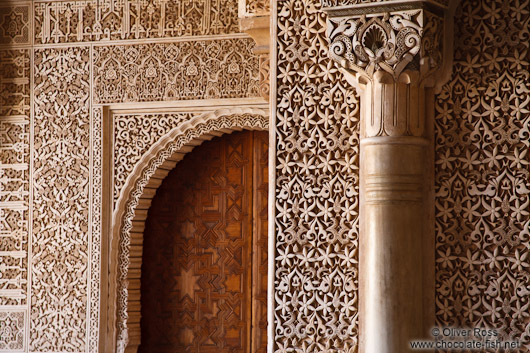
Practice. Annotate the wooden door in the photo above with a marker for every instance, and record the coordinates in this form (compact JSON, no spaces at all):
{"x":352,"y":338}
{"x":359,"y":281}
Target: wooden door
{"x":204,"y":270}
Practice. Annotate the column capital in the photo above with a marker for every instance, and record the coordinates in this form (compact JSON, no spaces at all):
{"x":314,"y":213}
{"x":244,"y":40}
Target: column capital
{"x":395,"y":53}
{"x":391,"y":41}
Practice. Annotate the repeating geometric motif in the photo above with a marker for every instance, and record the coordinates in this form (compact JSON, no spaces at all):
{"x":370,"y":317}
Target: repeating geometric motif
{"x":12,"y":331}
{"x":61,"y":189}
{"x":15,"y":24}
{"x":104,"y":20}
{"x":95,"y":239}
{"x":197,"y":257}
{"x":134,"y":134}
{"x":317,"y":148}
{"x":260,"y":256}
{"x":244,"y":120}
{"x":14,"y":175}
{"x":482,"y":132}
{"x":207,"y":69}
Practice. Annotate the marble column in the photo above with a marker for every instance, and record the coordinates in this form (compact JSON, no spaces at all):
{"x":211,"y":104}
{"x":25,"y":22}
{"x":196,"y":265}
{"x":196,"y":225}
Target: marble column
{"x":396,"y":56}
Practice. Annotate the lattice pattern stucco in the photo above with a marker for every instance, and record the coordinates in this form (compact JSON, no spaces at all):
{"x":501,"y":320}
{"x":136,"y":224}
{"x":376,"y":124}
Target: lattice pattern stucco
{"x":317,"y":146}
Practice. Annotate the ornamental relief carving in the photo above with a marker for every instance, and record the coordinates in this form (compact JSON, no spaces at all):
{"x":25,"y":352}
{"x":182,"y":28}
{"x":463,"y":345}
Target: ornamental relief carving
{"x":391,"y":58}
{"x":12,"y":330}
{"x":104,"y":20}
{"x":15,"y":24}
{"x":14,"y":175}
{"x":339,"y":3}
{"x":61,"y":200}
{"x":204,"y":69}
{"x":178,"y":138}
{"x":134,"y":134}
{"x":256,"y":8}
{"x":95,"y":241}
{"x":482,"y":134}
{"x":316,"y":192}
{"x":383,"y":42}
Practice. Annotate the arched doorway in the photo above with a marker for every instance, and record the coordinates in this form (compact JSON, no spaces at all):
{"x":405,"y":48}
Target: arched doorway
{"x":204,"y":267}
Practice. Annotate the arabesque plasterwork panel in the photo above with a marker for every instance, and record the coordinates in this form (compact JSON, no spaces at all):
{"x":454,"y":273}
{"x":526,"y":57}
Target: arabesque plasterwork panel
{"x":99,"y":20}
{"x":61,"y":189}
{"x":482,"y":132}
{"x":316,"y":192}
{"x":204,"y":69}
{"x":14,"y":175}
{"x":12,"y":323}
{"x":134,"y":134}
{"x":15,"y":23}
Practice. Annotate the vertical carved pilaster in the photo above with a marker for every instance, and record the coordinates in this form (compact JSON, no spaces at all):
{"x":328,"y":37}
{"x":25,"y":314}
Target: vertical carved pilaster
{"x":254,"y":19}
{"x":395,"y":54}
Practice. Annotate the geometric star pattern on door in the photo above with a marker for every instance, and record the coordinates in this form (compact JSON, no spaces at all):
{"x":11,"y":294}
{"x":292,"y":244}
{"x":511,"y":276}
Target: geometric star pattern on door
{"x":204,"y":263}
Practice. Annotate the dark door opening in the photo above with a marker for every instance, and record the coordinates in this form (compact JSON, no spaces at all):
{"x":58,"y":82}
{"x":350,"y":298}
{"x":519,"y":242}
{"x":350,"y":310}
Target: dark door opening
{"x":204,"y":269}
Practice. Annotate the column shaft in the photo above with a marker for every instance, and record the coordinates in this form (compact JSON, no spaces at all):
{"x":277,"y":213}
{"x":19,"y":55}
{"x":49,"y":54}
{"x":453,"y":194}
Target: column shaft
{"x":392,"y":228}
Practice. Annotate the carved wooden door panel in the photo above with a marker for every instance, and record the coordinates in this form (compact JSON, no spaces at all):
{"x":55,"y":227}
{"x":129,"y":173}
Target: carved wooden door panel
{"x":204,"y":270}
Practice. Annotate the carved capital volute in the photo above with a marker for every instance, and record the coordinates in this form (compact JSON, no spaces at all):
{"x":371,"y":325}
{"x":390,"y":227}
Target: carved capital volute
{"x":391,"y":52}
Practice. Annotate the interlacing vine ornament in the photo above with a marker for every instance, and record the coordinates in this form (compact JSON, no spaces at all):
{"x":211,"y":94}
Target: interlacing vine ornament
{"x":173,"y":142}
{"x":316,"y":191}
{"x":482,"y":132}
{"x":201,"y":69}
{"x":134,"y":134}
{"x":61,"y":189}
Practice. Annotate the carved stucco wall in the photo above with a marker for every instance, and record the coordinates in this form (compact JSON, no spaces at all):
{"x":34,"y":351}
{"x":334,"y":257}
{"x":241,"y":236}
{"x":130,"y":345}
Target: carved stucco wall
{"x":482,"y":132}
{"x":50,"y":118}
{"x":316,"y":196}
{"x":51,"y":138}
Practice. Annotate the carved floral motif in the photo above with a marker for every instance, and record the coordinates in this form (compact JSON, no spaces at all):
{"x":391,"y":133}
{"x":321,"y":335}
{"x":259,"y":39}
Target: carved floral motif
{"x":177,"y":71}
{"x":389,"y":42}
{"x":316,"y":193}
{"x":134,"y":135}
{"x":61,"y":223}
{"x":97,"y":20}
{"x":482,"y":132}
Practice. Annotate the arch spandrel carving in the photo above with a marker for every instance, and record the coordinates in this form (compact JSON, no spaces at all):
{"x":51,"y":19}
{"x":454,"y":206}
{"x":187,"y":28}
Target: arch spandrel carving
{"x":133,"y":203}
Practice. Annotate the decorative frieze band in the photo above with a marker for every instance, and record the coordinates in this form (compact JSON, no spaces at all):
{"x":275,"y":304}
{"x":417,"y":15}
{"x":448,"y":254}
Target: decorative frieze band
{"x":104,"y":20}
{"x":203,"y":69}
